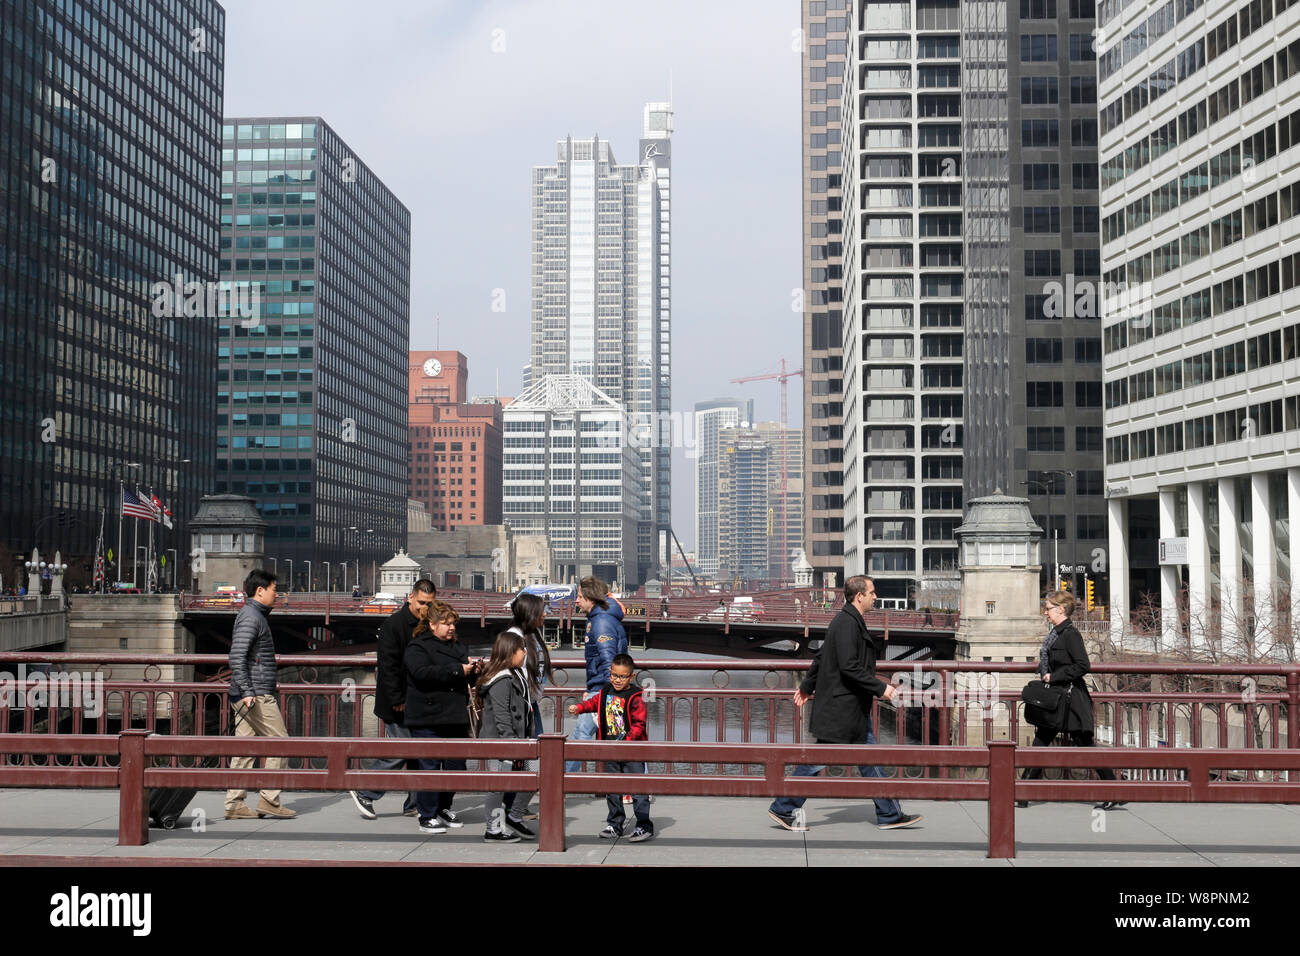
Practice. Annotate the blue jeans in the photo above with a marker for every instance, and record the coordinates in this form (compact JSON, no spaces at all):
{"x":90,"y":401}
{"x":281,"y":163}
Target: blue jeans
{"x":887,"y":808}
{"x":585,"y":730}
{"x":429,"y":802}
{"x":614,"y":801}
{"x":392,"y":763}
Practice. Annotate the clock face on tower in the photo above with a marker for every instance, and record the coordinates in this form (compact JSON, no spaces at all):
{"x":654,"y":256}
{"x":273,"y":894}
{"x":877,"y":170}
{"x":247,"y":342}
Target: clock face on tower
{"x":433,"y":368}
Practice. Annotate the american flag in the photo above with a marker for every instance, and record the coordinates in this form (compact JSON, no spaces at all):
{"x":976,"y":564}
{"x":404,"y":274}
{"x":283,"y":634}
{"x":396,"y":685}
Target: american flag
{"x":133,"y":506}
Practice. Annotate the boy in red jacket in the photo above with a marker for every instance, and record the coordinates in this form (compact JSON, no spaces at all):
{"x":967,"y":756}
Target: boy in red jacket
{"x":621,"y":715}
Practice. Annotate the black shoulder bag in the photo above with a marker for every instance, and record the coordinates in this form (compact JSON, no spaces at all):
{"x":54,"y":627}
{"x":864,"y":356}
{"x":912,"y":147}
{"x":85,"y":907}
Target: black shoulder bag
{"x":1047,"y":706}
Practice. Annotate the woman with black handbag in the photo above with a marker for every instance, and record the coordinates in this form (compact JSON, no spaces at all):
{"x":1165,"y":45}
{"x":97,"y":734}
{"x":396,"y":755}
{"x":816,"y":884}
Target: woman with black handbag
{"x":1062,"y":662}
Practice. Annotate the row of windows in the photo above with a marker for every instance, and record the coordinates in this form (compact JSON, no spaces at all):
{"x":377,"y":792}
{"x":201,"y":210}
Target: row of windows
{"x":1259,"y":351}
{"x":1087,"y":482}
{"x":1047,"y":219}
{"x":1052,"y":394}
{"x":1045,"y":90}
{"x":1046,"y":9}
{"x":1051,"y":438}
{"x":1050,"y":351}
{"x":272,"y":132}
{"x":1146,"y":33}
{"x":1221,"y":428}
{"x":1046,"y":133}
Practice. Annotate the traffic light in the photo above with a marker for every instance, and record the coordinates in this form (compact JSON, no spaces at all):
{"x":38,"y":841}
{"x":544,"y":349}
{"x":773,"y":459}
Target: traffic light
{"x":1065,"y":584}
{"x":1091,"y":599}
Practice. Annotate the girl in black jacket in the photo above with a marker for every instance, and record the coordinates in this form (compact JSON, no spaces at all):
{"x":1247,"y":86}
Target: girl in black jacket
{"x":529,"y":613}
{"x":507,"y":715}
{"x":1062,"y":661}
{"x":438,"y":675}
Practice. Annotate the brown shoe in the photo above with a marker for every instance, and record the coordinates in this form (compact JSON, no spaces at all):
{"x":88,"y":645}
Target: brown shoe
{"x":241,"y":812}
{"x":265,"y":809}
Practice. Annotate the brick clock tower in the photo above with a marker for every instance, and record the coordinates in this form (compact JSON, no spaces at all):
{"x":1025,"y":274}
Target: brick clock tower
{"x":456,"y":445}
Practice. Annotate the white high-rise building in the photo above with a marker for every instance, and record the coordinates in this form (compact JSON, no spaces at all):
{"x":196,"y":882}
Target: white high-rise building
{"x":710,"y":418}
{"x":601,"y":295}
{"x":1200,"y":180}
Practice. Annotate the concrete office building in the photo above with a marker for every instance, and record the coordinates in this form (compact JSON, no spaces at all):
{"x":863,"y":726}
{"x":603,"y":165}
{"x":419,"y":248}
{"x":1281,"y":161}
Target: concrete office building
{"x":710,"y":418}
{"x":825,"y":38}
{"x":312,"y":399}
{"x":758,"y":522}
{"x":572,"y":475}
{"x":101,"y":199}
{"x":1032,"y":338}
{"x":903,"y":295}
{"x":1200,"y":178}
{"x":455,"y":458}
{"x":601,"y":294}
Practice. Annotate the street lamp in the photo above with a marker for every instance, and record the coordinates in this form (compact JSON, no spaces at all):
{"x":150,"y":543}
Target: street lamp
{"x":310,"y":585}
{"x":1051,"y":523}
{"x":172,"y":552}
{"x":374,"y":586}
{"x":290,"y":561}
{"x":329,"y":581}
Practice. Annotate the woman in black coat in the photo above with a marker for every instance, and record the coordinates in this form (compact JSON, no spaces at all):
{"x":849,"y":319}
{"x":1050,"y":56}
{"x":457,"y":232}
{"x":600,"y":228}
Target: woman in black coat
{"x":1062,"y":662}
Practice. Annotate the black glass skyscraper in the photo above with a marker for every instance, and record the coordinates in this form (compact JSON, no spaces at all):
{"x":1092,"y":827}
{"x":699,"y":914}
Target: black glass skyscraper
{"x":110,"y":164}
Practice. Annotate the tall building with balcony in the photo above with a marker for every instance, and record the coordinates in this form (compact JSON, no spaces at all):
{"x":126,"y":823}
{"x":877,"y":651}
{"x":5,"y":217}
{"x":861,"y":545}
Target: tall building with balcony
{"x":903,"y":294}
{"x":710,"y":418}
{"x":455,"y":461}
{"x":312,"y":397}
{"x":601,"y":294}
{"x":101,"y":198}
{"x":1032,"y":256}
{"x":825,"y":38}
{"x":1200,"y":249}
{"x":573,"y":476}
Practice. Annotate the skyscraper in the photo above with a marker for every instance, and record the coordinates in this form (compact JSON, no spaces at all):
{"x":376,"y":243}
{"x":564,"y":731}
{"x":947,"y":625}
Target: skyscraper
{"x":1033,"y":341}
{"x":312,"y":399}
{"x":710,"y":418}
{"x":601,"y":294}
{"x":902,"y":333}
{"x":1200,"y":139}
{"x":759,"y":519}
{"x":101,"y":198}
{"x":825,"y":38}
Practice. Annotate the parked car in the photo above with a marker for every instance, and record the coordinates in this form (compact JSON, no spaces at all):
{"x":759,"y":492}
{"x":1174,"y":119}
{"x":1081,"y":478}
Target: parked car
{"x":382,"y":603}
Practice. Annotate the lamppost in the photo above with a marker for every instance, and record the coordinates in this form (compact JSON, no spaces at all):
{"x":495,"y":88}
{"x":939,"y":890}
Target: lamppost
{"x":115,"y":472}
{"x":329,"y":582}
{"x":374,"y":570}
{"x":1051,"y":522}
{"x":290,"y":560}
{"x":311,"y":587}
{"x":172,"y":552}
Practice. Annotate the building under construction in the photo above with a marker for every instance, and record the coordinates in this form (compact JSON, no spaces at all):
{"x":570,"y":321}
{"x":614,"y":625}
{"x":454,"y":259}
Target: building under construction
{"x":760,"y":503}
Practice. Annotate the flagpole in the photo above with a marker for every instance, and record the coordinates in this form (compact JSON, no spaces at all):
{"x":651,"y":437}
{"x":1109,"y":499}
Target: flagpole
{"x":121,"y":513}
{"x":99,"y":552}
{"x":148,"y":585}
{"x":135,"y":550}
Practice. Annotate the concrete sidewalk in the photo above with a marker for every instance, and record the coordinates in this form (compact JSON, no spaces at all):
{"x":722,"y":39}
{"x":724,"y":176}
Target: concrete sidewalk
{"x":691,"y":831}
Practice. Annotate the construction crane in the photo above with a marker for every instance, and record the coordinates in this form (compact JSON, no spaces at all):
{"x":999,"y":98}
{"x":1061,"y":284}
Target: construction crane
{"x":783,"y":377}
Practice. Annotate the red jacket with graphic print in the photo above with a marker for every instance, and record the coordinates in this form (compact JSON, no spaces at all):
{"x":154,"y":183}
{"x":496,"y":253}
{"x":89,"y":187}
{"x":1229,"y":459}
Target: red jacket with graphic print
{"x":633,"y":707}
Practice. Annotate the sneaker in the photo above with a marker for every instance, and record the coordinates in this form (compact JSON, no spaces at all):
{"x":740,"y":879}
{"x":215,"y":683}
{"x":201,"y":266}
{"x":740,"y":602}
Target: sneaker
{"x":627,"y":798}
{"x":365,"y":807}
{"x":505,"y":836}
{"x":788,"y":821}
{"x":1110,"y":804}
{"x":906,"y":820}
{"x":523,"y":830}
{"x":432,"y":825}
{"x":640,"y":835}
{"x":1022,"y":804}
{"x":411,"y":812}
{"x":447,"y":818}
{"x":265,"y":809}
{"x":241,"y":812}
{"x":610,"y":832}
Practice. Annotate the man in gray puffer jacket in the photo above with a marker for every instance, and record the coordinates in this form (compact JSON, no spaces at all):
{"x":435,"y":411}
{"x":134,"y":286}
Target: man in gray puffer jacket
{"x":252,"y":692}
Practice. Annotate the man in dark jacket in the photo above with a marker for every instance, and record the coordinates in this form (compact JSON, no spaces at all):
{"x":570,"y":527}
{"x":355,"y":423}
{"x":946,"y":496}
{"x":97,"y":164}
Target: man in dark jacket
{"x":842,"y":684}
{"x":252,"y":692}
{"x":390,"y":688}
{"x":606,"y":639}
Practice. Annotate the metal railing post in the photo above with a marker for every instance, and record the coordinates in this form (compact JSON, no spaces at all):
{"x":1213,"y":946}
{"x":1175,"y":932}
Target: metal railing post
{"x":1292,"y":714}
{"x":1002,"y":799}
{"x":550,"y":788}
{"x":133,"y":801}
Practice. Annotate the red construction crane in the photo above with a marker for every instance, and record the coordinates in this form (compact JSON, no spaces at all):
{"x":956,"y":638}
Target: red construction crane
{"x":783,"y":377}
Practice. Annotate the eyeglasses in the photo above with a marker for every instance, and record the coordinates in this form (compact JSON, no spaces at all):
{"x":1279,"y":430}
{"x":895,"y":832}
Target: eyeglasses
{"x":619,"y":678}
{"x":1049,"y":607}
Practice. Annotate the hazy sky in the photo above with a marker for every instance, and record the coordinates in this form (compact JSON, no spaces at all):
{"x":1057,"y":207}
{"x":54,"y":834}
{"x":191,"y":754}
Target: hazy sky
{"x":452,"y":102}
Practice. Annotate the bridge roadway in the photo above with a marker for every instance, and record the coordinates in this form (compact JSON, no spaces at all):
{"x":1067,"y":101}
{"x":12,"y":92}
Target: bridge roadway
{"x":784,"y":623}
{"x":80,"y":827}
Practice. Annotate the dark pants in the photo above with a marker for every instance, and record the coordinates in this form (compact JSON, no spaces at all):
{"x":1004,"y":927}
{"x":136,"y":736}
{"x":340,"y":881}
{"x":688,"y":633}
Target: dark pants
{"x":429,"y":802}
{"x":1080,"y":738}
{"x":396,"y":731}
{"x":640,"y":802}
{"x":888,"y":810}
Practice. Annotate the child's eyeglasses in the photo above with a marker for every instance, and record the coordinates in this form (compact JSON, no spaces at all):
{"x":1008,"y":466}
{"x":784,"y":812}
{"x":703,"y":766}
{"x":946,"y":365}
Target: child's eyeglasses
{"x":619,"y":677}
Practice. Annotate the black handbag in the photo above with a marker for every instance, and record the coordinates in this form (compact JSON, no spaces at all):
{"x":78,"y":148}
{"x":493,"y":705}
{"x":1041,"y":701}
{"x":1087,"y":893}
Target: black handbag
{"x":1047,"y":706}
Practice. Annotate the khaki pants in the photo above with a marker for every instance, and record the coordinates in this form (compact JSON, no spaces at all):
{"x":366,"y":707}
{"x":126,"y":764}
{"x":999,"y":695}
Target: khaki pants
{"x":262,"y":719}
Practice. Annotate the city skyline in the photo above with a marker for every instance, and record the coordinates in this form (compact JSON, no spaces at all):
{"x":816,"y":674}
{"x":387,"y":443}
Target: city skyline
{"x":733,"y":256}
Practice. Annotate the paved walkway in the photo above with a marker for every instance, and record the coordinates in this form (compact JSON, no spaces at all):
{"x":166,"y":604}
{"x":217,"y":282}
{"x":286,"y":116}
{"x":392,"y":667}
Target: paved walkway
{"x":691,"y":831}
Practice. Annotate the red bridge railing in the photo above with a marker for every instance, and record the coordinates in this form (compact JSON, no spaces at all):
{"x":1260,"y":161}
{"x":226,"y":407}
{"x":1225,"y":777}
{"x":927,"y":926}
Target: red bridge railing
{"x":995,"y":768}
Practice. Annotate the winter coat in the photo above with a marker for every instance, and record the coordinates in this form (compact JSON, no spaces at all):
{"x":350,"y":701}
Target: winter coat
{"x":633,"y":707}
{"x":843,"y":681}
{"x":437,"y":690}
{"x":605,"y":640}
{"x":1069,"y":662}
{"x":390,"y":657}
{"x":507,"y":708}
{"x":252,"y":653}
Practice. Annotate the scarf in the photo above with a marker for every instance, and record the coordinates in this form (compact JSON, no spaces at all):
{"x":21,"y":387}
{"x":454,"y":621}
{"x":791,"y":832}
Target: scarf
{"x":1048,"y":643}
